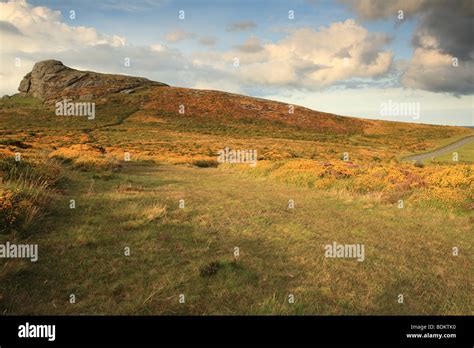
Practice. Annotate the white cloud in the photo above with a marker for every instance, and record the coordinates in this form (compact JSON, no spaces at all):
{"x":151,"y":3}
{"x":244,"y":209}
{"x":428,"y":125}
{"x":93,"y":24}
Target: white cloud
{"x":42,"y":30}
{"x":178,"y":35}
{"x":314,"y":59}
{"x":29,"y":32}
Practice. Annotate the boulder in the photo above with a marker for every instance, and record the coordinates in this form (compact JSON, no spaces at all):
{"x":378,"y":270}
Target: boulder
{"x":51,"y":79}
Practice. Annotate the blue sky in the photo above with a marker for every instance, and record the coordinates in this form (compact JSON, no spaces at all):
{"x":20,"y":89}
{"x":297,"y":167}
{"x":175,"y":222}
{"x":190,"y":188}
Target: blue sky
{"x":148,"y":21}
{"x":296,"y":61}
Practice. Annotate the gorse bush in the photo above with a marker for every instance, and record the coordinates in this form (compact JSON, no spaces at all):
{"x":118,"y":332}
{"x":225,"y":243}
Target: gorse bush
{"x":442,"y":185}
{"x":8,"y":210}
{"x":86,"y":158}
{"x":43,"y":170}
{"x":205,"y":163}
{"x":25,"y":191}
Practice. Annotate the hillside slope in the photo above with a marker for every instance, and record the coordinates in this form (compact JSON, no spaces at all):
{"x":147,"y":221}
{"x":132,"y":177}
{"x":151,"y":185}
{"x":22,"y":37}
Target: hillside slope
{"x":138,"y":119}
{"x":153,"y":120}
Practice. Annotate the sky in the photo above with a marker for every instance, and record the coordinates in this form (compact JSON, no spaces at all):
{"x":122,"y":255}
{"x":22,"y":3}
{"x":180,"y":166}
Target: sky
{"x":348,"y":57}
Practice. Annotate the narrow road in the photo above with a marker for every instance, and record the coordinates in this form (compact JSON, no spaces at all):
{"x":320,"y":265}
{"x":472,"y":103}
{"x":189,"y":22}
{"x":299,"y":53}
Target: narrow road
{"x":445,"y":149}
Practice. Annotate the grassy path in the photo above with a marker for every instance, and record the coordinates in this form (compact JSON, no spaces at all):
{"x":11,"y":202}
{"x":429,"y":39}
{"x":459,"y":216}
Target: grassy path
{"x":189,"y":251}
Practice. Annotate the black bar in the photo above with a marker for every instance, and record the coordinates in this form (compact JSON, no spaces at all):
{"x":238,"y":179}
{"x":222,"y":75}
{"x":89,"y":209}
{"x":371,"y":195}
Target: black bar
{"x":330,"y":330}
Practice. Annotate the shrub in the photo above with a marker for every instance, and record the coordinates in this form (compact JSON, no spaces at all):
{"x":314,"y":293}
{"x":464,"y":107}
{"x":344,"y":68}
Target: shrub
{"x":87,"y":158}
{"x":8,"y":211}
{"x":25,"y":192}
{"x":15,"y":142}
{"x":419,"y":164}
{"x":205,"y":163}
{"x":210,"y":269}
{"x":442,"y":185}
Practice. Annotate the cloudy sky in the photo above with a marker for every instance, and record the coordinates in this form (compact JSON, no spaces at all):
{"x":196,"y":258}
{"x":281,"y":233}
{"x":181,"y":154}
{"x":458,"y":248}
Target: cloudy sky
{"x":347,"y":57}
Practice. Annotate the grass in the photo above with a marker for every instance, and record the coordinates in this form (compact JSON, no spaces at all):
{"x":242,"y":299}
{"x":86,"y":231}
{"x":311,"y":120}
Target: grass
{"x":25,"y":192}
{"x":190,"y":251}
{"x":465,"y":155}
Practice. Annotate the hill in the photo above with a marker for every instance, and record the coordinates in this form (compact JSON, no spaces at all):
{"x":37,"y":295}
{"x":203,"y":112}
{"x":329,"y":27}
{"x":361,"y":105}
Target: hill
{"x":146,"y":120}
{"x":197,"y":123}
